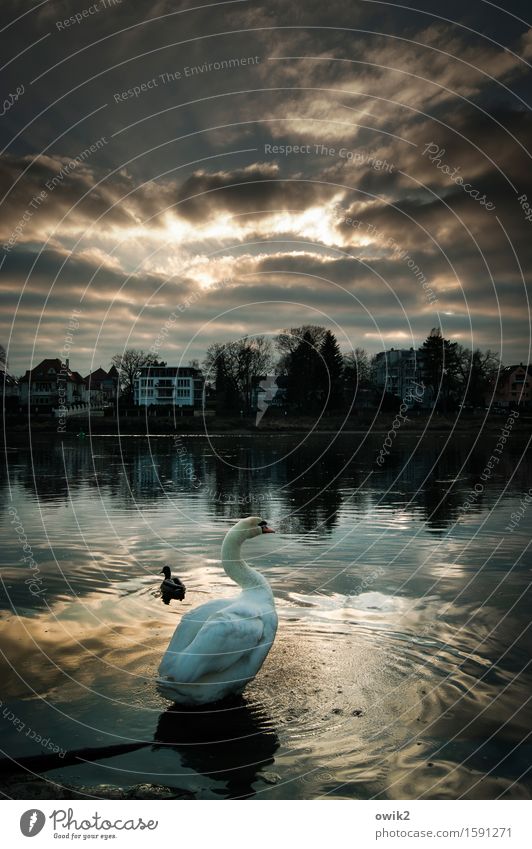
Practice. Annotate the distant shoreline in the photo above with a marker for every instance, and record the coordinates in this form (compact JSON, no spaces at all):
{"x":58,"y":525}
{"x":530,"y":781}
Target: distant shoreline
{"x":133,"y":427}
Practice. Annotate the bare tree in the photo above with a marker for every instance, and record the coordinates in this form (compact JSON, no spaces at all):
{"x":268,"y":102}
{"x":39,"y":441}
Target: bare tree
{"x":357,"y":368}
{"x":3,"y":355}
{"x":478,"y":370}
{"x":289,"y":340}
{"x":127,"y":364}
{"x":237,"y":368}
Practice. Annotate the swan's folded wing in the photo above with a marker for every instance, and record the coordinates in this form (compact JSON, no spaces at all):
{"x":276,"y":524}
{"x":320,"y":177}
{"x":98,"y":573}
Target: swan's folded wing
{"x":223,"y":640}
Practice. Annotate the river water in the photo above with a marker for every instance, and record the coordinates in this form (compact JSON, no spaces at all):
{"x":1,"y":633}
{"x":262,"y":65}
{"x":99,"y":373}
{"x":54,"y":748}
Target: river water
{"x":401,"y":667}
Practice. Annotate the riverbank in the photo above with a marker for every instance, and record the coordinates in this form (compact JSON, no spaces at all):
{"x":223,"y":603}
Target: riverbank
{"x":45,"y":428}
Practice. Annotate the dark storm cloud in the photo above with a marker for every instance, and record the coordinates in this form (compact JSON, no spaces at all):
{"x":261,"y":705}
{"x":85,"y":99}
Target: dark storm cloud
{"x":66,"y":188}
{"x":90,"y":277}
{"x":252,"y":189}
{"x":379,"y":80}
{"x":78,"y":192}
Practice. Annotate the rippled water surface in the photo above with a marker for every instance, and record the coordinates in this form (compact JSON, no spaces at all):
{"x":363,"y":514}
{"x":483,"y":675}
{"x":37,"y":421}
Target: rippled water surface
{"x":401,"y":664}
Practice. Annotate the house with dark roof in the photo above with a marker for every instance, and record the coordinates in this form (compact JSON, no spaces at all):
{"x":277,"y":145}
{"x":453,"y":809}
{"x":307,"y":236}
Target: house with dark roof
{"x":102,"y":386}
{"x":514,"y":386}
{"x":51,"y":385}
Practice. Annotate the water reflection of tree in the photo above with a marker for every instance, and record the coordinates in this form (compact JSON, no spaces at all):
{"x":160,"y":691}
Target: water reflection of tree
{"x":51,"y":471}
{"x":311,"y":495}
{"x":439,"y":480}
{"x":232,"y":477}
{"x":241,"y":480}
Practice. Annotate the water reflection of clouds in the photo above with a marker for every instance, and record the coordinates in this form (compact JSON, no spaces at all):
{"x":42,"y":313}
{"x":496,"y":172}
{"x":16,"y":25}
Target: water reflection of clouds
{"x":438,"y":608}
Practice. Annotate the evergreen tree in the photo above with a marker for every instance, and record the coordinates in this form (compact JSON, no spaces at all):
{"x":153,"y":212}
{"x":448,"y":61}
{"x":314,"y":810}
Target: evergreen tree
{"x":304,"y":375}
{"x":331,"y":371}
{"x":440,"y":367}
{"x":227,"y":400}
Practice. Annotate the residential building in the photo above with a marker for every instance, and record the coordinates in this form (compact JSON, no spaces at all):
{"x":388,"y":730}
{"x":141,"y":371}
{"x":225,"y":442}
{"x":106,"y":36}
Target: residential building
{"x":50,"y":385}
{"x":399,"y":372}
{"x":102,"y":387}
{"x":514,"y":386}
{"x":178,"y":386}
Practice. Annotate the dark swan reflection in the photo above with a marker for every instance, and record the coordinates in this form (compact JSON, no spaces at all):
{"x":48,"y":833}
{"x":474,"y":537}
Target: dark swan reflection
{"x":229,"y":741}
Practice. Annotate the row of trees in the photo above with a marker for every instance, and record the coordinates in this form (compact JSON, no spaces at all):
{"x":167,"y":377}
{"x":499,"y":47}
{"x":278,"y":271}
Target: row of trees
{"x":456,"y":374}
{"x":314,"y":373}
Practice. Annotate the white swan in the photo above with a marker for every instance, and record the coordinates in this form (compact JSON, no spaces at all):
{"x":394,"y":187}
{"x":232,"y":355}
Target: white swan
{"x":220,"y":646}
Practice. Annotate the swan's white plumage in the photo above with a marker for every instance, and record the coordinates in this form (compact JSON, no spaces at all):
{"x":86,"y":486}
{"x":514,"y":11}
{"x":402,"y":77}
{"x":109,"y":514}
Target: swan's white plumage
{"x":220,"y":646}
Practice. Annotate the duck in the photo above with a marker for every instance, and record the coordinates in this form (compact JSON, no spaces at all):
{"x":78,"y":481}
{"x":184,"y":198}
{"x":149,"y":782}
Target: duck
{"x":219,"y":647}
{"x":171,"y":587}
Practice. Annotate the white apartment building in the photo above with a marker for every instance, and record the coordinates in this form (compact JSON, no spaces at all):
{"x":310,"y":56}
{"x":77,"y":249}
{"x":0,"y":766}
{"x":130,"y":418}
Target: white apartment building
{"x":398,"y":371}
{"x":178,"y":386}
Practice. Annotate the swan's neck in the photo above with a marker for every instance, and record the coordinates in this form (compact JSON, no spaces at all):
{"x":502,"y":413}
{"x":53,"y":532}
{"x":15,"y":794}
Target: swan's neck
{"x":237,"y":569}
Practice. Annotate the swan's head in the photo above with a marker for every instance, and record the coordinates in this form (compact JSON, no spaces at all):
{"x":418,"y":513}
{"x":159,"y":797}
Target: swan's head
{"x":251,"y":527}
{"x":166,"y":571}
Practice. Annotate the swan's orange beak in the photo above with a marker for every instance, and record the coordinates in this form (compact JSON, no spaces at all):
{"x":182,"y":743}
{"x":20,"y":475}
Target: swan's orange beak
{"x":267,"y":530}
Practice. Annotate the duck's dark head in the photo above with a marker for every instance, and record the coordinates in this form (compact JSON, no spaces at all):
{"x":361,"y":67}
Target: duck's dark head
{"x":166,"y":571}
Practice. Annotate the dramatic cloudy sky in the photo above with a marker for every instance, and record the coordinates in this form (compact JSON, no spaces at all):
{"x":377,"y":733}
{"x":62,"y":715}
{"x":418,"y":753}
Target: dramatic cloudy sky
{"x":184,"y":208}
